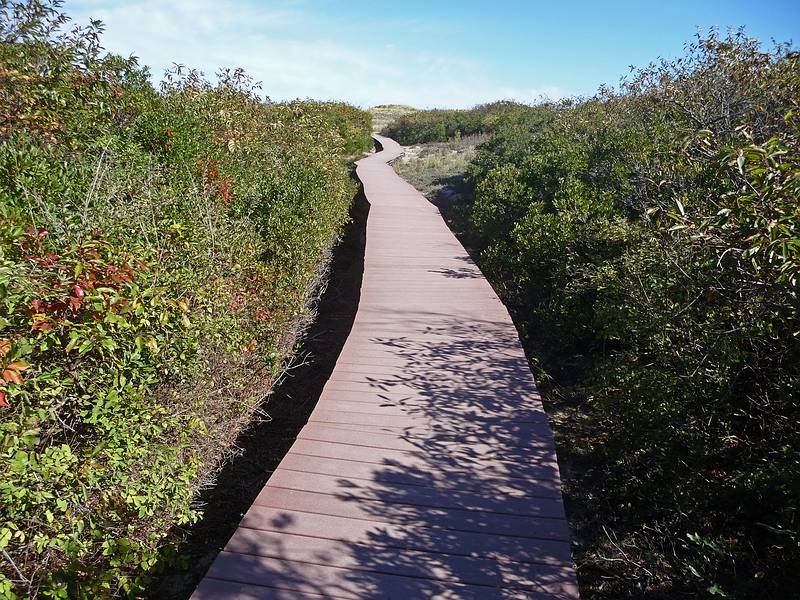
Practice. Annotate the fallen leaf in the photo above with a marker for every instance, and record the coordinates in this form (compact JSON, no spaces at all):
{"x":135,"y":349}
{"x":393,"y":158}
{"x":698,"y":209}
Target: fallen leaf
{"x":12,"y":376}
{"x":41,"y":325}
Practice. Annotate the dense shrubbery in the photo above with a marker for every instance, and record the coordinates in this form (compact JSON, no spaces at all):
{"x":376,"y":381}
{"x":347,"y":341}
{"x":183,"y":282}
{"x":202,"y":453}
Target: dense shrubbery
{"x":353,"y":125}
{"x":157,"y":251}
{"x":438,"y":125}
{"x":648,"y":240}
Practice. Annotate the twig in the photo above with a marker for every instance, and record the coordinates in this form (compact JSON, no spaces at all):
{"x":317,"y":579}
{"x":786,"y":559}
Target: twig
{"x":22,"y":577}
{"x":622,"y":552}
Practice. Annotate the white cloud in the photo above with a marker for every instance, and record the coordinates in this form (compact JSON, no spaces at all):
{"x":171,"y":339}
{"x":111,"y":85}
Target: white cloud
{"x":278,"y":47}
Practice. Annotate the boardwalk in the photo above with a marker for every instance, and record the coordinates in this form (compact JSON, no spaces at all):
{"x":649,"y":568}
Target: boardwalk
{"x":427,"y":470}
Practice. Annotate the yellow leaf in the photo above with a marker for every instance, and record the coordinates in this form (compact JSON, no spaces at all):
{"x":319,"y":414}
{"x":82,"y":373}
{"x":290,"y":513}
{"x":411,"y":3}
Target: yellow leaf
{"x":152,"y":344}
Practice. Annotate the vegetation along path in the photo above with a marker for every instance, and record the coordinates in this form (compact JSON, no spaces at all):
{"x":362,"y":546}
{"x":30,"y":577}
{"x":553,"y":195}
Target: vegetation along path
{"x":427,"y":468}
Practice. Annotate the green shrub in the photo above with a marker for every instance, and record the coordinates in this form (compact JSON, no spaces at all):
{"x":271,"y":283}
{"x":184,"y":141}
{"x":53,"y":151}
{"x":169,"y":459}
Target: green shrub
{"x":157,"y":252}
{"x":438,"y":125}
{"x":647,"y":239}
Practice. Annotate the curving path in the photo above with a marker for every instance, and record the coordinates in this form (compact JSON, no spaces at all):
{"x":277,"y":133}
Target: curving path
{"x":427,"y":469}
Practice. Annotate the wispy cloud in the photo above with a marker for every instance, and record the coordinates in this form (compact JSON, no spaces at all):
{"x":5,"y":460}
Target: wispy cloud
{"x":288,"y":47}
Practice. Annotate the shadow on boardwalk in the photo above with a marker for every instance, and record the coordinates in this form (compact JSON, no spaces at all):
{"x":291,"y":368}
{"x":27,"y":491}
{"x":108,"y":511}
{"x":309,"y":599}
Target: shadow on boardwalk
{"x":427,"y":469}
{"x":456,"y":509}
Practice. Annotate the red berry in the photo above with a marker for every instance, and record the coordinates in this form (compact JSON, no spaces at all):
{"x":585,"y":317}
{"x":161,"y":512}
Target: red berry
{"x":77,"y":291}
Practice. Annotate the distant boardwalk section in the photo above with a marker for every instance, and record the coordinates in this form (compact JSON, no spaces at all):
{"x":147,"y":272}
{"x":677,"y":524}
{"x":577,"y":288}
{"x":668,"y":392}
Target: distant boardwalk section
{"x":428,"y":469}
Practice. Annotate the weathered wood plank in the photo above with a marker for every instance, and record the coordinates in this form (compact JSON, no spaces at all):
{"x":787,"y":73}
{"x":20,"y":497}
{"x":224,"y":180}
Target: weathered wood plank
{"x":427,"y":468}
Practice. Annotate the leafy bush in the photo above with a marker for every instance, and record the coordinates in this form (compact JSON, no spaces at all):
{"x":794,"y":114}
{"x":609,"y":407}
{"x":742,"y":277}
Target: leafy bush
{"x":647,"y":241}
{"x":438,"y":125}
{"x":354,"y":126}
{"x":157,"y":252}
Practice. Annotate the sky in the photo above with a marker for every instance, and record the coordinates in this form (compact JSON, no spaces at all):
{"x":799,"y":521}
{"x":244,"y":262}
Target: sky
{"x":425,"y":53}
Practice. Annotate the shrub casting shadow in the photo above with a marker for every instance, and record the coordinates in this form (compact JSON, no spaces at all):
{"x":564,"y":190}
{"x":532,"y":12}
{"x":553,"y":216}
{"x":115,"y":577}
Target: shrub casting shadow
{"x":473,"y":497}
{"x":265,"y":443}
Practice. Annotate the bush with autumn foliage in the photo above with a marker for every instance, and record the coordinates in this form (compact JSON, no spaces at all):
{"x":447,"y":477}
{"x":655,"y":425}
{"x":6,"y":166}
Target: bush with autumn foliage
{"x":158,"y":248}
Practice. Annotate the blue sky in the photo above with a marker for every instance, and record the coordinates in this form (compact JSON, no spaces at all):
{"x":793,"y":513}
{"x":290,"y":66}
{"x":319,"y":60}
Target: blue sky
{"x":424,"y":53}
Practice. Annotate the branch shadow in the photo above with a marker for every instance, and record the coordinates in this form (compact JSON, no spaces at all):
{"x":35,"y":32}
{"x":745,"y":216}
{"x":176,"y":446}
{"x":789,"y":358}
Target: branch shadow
{"x":443,"y":484}
{"x":427,"y":469}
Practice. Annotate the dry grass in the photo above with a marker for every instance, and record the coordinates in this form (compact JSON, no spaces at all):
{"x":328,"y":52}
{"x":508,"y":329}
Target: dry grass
{"x":385,"y":114}
{"x":437,"y":170}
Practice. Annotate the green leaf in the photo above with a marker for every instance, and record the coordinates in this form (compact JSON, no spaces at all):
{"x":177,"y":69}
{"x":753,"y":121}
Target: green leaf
{"x":5,"y":536}
{"x":715,"y":590}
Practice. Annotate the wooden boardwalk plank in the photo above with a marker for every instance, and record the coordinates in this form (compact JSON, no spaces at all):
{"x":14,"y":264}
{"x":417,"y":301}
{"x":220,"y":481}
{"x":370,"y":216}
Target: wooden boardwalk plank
{"x":412,"y":563}
{"x":340,"y":583}
{"x":404,"y":535}
{"x":427,"y":468}
{"x":390,"y":474}
{"x":393,"y":512}
{"x":538,"y":502}
{"x":343,"y":582}
{"x":417,"y":465}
